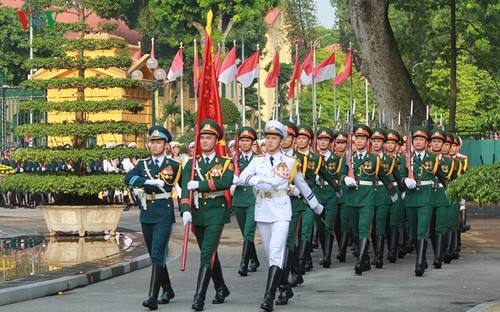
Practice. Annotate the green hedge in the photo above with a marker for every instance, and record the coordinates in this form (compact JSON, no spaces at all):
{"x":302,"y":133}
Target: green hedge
{"x":479,"y":184}
{"x":77,"y":155}
{"x":63,"y":184}
{"x":88,"y":129}
{"x":91,"y":82}
{"x":82,"y":106}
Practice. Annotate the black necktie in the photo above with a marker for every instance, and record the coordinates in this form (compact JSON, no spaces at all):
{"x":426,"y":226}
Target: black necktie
{"x":246,"y":158}
{"x":360,"y":157}
{"x":272,"y":161}
{"x":157,"y":162}
{"x":207,"y":160}
{"x":419,"y":157}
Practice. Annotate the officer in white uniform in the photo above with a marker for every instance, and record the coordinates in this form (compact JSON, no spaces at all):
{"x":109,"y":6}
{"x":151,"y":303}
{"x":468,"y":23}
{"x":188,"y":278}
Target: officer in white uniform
{"x":270,"y":175}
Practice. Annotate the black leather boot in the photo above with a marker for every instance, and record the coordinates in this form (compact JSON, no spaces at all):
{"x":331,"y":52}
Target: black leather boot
{"x":447,"y":256}
{"x":327,"y":254}
{"x":321,"y":239}
{"x":254,"y":263}
{"x":403,"y":234}
{"x":243,"y":270}
{"x":361,"y":262}
{"x":421,"y":249}
{"x":303,"y":246}
{"x":355,"y":246}
{"x":284,"y":286}
{"x":344,"y":240}
{"x":154,"y":287}
{"x":392,"y":251}
{"x":379,"y":251}
{"x":455,"y":245}
{"x":438,"y":251}
{"x":295,"y":277}
{"x":464,"y":227}
{"x":201,"y":288}
{"x":168,"y":292}
{"x":273,"y":279}
{"x":221,"y":290}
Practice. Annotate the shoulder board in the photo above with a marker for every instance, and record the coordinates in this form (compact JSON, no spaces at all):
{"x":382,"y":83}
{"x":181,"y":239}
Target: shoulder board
{"x":226,"y":157}
{"x":177,"y":161}
{"x":143,"y":159}
{"x":293,"y":156}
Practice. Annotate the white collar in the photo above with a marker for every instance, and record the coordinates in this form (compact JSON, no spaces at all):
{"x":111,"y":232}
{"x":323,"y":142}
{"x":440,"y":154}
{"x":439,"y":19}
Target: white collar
{"x":327,"y":154}
{"x":211,"y":156}
{"x":160,"y":159}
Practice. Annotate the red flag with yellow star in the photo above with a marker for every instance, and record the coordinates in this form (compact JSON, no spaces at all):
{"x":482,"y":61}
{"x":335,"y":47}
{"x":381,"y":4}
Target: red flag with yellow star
{"x":345,"y":71}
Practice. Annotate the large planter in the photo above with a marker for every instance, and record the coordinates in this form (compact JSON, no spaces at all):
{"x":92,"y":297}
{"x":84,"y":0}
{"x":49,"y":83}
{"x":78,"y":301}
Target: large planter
{"x":81,"y":219}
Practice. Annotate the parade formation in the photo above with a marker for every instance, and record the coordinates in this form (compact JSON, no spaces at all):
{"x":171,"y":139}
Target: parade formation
{"x":364,"y":188}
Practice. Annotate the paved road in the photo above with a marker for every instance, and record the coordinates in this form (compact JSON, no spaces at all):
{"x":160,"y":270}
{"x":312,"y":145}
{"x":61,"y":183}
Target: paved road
{"x":472,"y":280}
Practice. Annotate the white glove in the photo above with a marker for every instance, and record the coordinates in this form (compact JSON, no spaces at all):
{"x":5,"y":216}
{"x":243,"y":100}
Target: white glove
{"x":295,"y":191}
{"x":394,"y":197}
{"x":157,"y":182}
{"x":350,"y":182}
{"x":339,"y":194}
{"x":410,"y":183}
{"x":236,"y":180}
{"x":186,"y":217}
{"x":193,"y":185}
{"x":231,"y":189}
{"x":403,"y":195}
{"x":462,"y":203}
{"x":318,"y":209}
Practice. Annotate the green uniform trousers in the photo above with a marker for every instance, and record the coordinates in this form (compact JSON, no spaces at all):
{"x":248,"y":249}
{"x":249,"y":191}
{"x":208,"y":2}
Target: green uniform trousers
{"x":246,"y":221}
{"x":343,"y":214}
{"x":156,"y":237}
{"x":307,"y":224}
{"x":361,"y":220}
{"x":380,"y":219}
{"x":439,"y":219}
{"x":453,"y":217}
{"x":328,"y":215}
{"x":298,"y":207}
{"x":419,"y":219}
{"x":208,"y":238}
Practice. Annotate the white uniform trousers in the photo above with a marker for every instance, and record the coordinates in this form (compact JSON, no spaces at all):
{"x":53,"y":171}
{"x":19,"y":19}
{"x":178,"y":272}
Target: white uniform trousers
{"x":274,"y":236}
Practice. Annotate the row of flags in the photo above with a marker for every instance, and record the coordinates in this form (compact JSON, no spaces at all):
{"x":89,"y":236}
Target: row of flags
{"x":249,"y":69}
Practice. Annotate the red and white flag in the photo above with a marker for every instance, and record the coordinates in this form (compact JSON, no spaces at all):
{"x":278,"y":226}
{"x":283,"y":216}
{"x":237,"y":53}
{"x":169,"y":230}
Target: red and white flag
{"x":228,"y":69}
{"x":325,"y":70}
{"x":307,"y":70}
{"x":249,"y":70}
{"x":177,"y":67}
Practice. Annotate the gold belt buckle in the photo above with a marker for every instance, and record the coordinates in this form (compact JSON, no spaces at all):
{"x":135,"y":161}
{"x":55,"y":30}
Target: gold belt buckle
{"x":268,"y":194}
{"x":204,"y":195}
{"x":418,"y":183}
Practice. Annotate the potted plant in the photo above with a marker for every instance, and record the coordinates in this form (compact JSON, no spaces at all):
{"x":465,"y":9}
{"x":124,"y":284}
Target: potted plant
{"x":74,"y":78}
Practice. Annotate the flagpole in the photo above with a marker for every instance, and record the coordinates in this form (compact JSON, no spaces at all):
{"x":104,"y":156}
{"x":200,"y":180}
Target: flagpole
{"x":297,"y":87}
{"x":243,"y":104}
{"x":350,"y":80}
{"x":196,"y":85}
{"x":182,"y":100}
{"x":366,"y":102}
{"x":217,"y":69}
{"x":335,"y":106}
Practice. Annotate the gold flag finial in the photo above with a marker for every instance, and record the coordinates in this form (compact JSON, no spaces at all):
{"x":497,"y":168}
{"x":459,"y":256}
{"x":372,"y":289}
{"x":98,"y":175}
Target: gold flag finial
{"x":210,"y":16}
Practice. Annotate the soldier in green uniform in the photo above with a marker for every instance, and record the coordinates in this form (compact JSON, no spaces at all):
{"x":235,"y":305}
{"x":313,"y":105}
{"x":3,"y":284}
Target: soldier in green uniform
{"x":396,"y":209}
{"x":244,"y":200}
{"x":209,"y":213}
{"x":382,"y":198}
{"x":156,"y":175}
{"x":418,"y":196}
{"x":440,"y":203}
{"x":325,"y":193}
{"x":311,"y":165}
{"x":361,"y":193}
{"x":343,"y":212}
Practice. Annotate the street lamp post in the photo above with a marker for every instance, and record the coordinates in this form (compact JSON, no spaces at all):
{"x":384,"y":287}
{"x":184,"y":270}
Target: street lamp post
{"x":157,"y":79}
{"x":3,"y":135}
{"x":315,"y":118}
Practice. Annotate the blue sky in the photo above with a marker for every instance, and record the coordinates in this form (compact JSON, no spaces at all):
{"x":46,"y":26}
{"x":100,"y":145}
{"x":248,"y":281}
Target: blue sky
{"x":325,"y":13}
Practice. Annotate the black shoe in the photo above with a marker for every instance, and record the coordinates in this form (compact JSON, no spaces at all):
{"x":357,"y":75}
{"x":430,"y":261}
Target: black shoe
{"x":243,"y":269}
{"x":273,"y":279}
{"x":201,"y":289}
{"x":438,"y":251}
{"x":363,"y":261}
{"x":344,"y":240}
{"x":220,"y":294}
{"x":254,"y":261}
{"x":420,"y":262}
{"x":392,"y":251}
{"x":327,"y":255}
{"x":157,"y":273}
{"x":379,"y":252}
{"x":285,"y":294}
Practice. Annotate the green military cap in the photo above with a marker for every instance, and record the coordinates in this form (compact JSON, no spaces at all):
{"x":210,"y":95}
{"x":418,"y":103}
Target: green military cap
{"x":291,"y":128}
{"x":325,"y":133}
{"x":393,"y":135}
{"x":158,"y":133}
{"x":362,"y":130}
{"x":379,"y":133}
{"x":341,"y":136}
{"x":209,"y":126}
{"x":437,"y":133}
{"x":449,"y":137}
{"x":455,"y":138}
{"x":420,"y":132}
{"x":247,"y":132}
{"x":305,"y":130}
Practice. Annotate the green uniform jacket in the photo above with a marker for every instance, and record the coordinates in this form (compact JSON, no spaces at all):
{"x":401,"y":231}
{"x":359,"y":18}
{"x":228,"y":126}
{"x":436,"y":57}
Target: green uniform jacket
{"x":171,"y":172}
{"x":334,"y":169}
{"x":425,"y":170}
{"x":311,"y":165}
{"x":390,"y":166}
{"x":367,"y":169}
{"x":243,"y":194}
{"x":216,"y":176}
{"x":343,"y":172}
{"x":447,"y":165}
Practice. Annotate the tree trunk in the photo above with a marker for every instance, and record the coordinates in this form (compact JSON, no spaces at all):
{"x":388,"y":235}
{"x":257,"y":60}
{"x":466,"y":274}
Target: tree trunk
{"x":453,"y":67}
{"x":382,"y":64}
